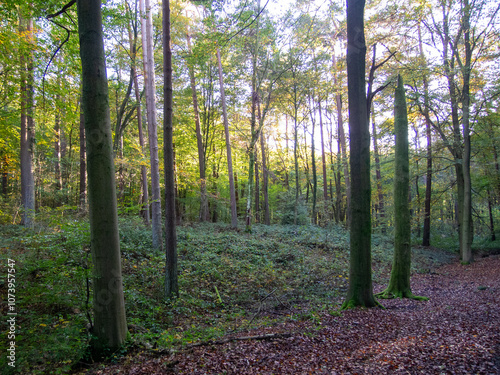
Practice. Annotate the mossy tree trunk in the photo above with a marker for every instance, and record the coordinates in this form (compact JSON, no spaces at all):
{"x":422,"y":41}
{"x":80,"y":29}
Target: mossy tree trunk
{"x":110,"y":326}
{"x":399,"y":283}
{"x":360,"y":292}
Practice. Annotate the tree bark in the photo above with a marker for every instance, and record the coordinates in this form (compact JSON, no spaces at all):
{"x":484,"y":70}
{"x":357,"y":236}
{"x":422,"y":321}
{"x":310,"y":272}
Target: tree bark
{"x":147,"y":48}
{"x":110,"y":326}
{"x":27,"y":127}
{"x":171,"y":277}
{"x":232,"y":190}
{"x":83,"y":165}
{"x":360,"y":292}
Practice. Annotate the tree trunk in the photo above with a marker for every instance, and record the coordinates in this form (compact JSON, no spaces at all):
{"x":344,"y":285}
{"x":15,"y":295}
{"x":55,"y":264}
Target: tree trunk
{"x":149,"y":79}
{"x":257,"y":187}
{"x":265,"y":180}
{"x":314,"y":176}
{"x":467,"y":230}
{"x":378,"y":176}
{"x":27,"y":127}
{"x":492,"y":222}
{"x":399,"y":283}
{"x":83,"y":164}
{"x":201,"y":149}
{"x":426,"y":236}
{"x":323,"y":157}
{"x":342,"y":141}
{"x":171,"y":278}
{"x":57,"y":144}
{"x":144,"y":173}
{"x":232,"y":190}
{"x":360,"y":292}
{"x":110,"y":326}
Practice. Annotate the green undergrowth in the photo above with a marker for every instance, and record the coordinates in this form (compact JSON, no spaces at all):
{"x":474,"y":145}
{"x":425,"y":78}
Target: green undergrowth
{"x":229,"y":281}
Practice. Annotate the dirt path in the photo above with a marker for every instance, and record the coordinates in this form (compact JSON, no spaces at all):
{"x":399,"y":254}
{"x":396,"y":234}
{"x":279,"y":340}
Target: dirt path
{"x":456,"y":332}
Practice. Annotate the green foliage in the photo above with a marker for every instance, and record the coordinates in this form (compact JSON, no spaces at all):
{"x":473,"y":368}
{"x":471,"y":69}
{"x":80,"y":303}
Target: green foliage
{"x":287,"y":209}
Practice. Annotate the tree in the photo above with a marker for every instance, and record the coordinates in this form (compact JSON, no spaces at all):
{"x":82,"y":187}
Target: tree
{"x":399,"y":284}
{"x":110,"y":325}
{"x":360,"y":292}
{"x":27,"y":123}
{"x":171,"y":284}
{"x":147,"y":50}
{"x":232,"y":191}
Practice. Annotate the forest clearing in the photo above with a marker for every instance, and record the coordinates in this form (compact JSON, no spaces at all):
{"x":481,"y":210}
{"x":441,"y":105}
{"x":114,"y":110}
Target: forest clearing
{"x":302,"y":186}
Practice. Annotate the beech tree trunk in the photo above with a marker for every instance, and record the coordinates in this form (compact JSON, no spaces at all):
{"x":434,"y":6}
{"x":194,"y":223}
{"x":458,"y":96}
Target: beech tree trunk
{"x":360,"y":292}
{"x":110,"y":326}
{"x":232,"y":190}
{"x":149,"y":73}
{"x":27,"y":127}
{"x":171,"y":277}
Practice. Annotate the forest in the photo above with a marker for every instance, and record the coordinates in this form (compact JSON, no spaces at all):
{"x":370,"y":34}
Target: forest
{"x":248,"y":187}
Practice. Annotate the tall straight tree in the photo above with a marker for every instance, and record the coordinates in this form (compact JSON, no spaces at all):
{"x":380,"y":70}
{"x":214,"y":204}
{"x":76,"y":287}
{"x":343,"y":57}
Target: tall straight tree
{"x":204,"y":212}
{"x":232,"y":191}
{"x":27,"y":123}
{"x":149,"y":72}
{"x":360,"y":292}
{"x":171,"y":284}
{"x":110,"y":326}
{"x":399,"y":284}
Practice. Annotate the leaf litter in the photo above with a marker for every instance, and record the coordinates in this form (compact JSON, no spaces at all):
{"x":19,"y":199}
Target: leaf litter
{"x":456,"y":332}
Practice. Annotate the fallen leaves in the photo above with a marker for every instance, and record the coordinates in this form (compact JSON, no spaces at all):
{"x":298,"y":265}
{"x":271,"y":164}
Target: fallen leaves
{"x":456,"y":332}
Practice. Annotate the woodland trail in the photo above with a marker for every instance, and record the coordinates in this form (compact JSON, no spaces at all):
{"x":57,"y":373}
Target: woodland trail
{"x":456,"y":332}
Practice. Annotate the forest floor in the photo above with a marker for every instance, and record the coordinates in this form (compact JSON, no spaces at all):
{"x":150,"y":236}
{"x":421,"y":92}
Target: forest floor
{"x":456,"y":332}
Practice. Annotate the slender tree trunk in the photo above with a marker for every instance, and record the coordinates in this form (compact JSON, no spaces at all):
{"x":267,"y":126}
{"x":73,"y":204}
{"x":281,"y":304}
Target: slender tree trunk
{"x":323,"y":157}
{"x":257,"y":187}
{"x":426,"y":236}
{"x":232,"y":190}
{"x":342,"y":140}
{"x":467,"y":229}
{"x":83,"y":164}
{"x":147,"y":44}
{"x":399,"y":284}
{"x":360,"y":292}
{"x":265,"y":180}
{"x":171,"y":278}
{"x":492,"y":222}
{"x":27,"y":127}
{"x":378,"y":176}
{"x":314,"y":176}
{"x":57,"y":145}
{"x":201,"y":149}
{"x":144,"y":173}
{"x":110,"y":326}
